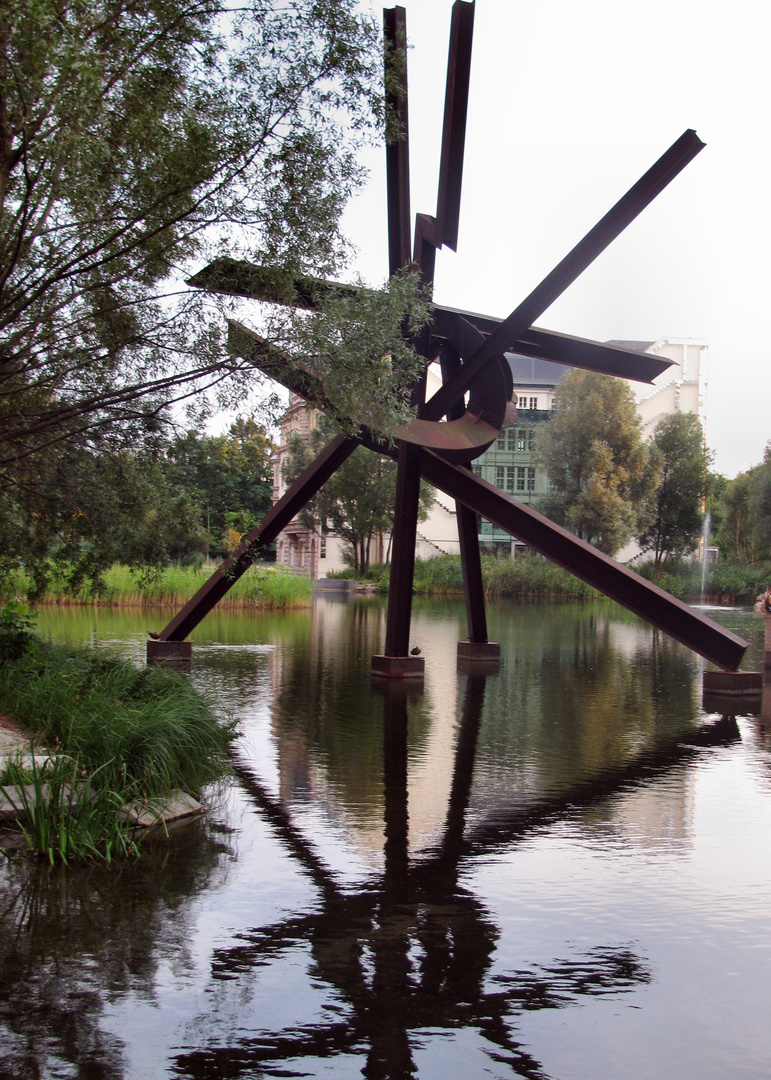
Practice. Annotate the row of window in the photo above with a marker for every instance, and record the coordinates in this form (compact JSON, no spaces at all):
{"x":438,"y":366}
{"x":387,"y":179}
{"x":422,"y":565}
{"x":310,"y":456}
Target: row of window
{"x":511,"y":478}
{"x":527,"y":403}
{"x":516,"y":439}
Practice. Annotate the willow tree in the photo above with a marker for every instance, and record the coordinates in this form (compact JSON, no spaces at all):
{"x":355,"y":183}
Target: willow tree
{"x":139,"y":139}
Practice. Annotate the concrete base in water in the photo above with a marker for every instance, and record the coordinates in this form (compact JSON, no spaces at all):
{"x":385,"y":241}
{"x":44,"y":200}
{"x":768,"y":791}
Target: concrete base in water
{"x":733,"y":683}
{"x":172,"y":654}
{"x":479,"y":650}
{"x":398,"y":667}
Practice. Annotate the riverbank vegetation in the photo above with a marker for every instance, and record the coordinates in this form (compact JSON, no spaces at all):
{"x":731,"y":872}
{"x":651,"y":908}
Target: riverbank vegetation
{"x":723,"y":583}
{"x":262,"y":586}
{"x":528,"y":577}
{"x":531,"y":577}
{"x":115,"y":733}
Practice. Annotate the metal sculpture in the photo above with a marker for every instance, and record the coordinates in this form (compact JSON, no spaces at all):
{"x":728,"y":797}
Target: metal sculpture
{"x":448,"y":431}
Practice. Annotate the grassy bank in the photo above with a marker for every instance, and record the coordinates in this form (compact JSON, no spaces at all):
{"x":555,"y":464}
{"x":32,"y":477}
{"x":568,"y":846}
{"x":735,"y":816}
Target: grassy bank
{"x":530,"y":577}
{"x":262,"y":586}
{"x":527,"y":577}
{"x":121,"y":733}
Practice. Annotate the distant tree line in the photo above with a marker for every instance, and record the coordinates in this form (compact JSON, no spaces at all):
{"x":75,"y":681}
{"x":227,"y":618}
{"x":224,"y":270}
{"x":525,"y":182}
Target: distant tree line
{"x":177,"y":499}
{"x":609,"y":486}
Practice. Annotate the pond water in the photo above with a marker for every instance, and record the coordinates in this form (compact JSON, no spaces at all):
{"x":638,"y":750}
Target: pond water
{"x":561,"y":870}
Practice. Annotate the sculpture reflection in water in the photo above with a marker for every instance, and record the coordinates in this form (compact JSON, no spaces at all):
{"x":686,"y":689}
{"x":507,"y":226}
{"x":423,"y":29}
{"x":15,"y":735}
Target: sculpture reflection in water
{"x":412,"y":952}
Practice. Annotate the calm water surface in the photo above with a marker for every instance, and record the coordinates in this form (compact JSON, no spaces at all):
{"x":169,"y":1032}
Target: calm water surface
{"x":562,"y":870}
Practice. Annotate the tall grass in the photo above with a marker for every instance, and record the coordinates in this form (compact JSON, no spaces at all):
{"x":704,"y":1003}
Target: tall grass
{"x":526,"y":577}
{"x":125,"y":732}
{"x":65,"y":814}
{"x":262,"y":586}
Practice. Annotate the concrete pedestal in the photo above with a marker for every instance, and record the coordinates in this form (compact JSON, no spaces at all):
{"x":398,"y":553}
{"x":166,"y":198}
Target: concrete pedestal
{"x":398,"y":667}
{"x":172,"y":654}
{"x":733,"y":683}
{"x":479,"y":650}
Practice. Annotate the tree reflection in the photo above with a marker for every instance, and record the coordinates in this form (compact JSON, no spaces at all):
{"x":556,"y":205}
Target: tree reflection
{"x":73,"y":940}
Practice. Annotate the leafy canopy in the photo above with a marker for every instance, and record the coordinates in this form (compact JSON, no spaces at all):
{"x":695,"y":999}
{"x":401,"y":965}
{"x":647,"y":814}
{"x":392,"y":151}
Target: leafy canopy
{"x":675,"y":506}
{"x":598,"y":465}
{"x":140,"y":139}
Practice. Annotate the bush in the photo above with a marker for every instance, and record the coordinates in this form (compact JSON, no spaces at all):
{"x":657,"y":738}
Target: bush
{"x":16,"y":626}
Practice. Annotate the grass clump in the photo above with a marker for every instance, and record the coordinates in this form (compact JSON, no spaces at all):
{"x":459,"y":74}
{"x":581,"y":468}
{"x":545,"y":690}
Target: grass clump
{"x":124,"y":733}
{"x":725,"y":582}
{"x":65,"y":814}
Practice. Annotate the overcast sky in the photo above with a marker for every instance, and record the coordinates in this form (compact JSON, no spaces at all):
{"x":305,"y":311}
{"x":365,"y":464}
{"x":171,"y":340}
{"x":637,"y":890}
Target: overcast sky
{"x":570,"y":103}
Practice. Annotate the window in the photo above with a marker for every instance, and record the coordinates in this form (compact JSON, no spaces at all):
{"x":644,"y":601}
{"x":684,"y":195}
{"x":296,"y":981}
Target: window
{"x":531,"y":439}
{"x":510,"y":479}
{"x":521,"y":439}
{"x":477,"y":470}
{"x":522,"y":403}
{"x":500,"y":442}
{"x":499,"y":475}
{"x":531,"y":479}
{"x":511,"y":435}
{"x":520,"y":478}
{"x":533,"y":402}
{"x":323,"y":547}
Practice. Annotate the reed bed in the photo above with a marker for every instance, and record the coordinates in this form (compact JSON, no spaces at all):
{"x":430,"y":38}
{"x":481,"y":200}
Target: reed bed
{"x":262,"y":586}
{"x":528,"y":577}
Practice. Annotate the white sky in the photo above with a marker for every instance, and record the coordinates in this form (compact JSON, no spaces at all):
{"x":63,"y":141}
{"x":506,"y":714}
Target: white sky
{"x":570,"y":103}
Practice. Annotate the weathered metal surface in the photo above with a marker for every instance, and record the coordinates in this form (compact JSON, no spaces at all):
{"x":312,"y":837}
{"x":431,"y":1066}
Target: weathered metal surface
{"x":398,"y":150}
{"x":564,"y":349}
{"x":472,"y":429}
{"x":640,"y":195}
{"x":454,"y":126}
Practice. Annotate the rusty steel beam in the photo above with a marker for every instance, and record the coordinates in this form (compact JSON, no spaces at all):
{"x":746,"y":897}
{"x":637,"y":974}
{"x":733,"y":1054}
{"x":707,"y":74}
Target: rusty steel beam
{"x":291,"y":503}
{"x":237,"y":278}
{"x":454,"y":126}
{"x":468,"y":536}
{"x":398,"y":149}
{"x":565,"y":349}
{"x":640,"y":195}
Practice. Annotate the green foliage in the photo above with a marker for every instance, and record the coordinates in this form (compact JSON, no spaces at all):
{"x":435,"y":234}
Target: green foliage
{"x":357,"y":502}
{"x":527,"y":577}
{"x":119,"y":733}
{"x":152,"y":726}
{"x":598,"y":466}
{"x":229,"y":477}
{"x":674,"y":508}
{"x":88,"y":510}
{"x":16,"y":627}
{"x":725,"y":581}
{"x":744,"y":528}
{"x":139,"y":139}
{"x":68,"y":815}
